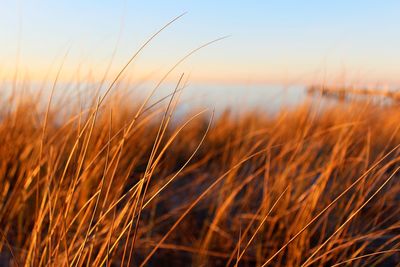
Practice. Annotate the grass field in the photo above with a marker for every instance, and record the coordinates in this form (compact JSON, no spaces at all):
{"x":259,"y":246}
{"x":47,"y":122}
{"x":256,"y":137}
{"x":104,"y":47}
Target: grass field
{"x":117,"y":183}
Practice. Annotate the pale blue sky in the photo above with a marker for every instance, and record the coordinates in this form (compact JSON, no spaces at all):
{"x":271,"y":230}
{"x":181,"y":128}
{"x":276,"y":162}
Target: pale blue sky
{"x":270,"y":41}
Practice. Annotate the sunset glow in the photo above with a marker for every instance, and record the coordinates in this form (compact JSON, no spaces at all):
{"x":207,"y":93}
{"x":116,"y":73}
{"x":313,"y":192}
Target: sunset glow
{"x":280,"y":42}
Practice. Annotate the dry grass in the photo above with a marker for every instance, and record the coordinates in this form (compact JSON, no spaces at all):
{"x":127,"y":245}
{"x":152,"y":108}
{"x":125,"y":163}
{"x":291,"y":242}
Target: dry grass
{"x":116,"y":183}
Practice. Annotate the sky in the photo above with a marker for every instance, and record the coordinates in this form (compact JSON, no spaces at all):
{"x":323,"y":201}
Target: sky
{"x":283,"y":42}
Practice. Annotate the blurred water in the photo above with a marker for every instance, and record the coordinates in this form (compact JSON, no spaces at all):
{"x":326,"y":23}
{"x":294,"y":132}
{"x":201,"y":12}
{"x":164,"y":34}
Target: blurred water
{"x":237,"y":98}
{"x":71,"y":98}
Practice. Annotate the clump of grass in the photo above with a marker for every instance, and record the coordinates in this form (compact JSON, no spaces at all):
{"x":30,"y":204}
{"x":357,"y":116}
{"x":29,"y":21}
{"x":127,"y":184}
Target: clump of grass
{"x":111,"y":182}
{"x":117,"y":184}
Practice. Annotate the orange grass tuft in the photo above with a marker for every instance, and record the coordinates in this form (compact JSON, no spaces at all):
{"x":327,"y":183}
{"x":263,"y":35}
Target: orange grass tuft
{"x":120,"y":184}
